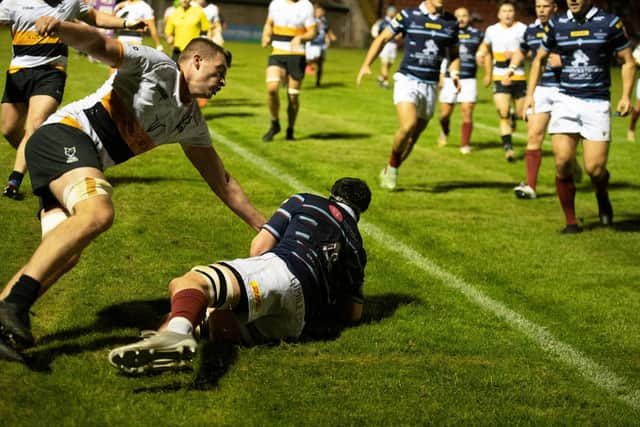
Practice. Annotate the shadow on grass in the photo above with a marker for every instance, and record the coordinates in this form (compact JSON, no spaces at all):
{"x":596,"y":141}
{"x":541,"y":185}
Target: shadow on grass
{"x":624,"y":225}
{"x":215,"y":358}
{"x":124,"y":180}
{"x":337,"y":135}
{"x":445,"y":187}
{"x":132,"y":314}
{"x":237,"y":102}
{"x":327,"y":85}
{"x":221,"y":115}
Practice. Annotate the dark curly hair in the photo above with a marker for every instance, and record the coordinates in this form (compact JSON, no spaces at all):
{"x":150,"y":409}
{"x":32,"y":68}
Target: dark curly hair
{"x":353,"y":192}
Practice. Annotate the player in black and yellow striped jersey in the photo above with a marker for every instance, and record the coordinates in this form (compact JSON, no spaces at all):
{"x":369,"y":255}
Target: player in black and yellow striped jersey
{"x":37,"y":73}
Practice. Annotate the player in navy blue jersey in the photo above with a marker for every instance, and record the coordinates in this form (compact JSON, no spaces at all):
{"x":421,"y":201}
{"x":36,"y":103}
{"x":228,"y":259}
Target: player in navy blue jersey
{"x":430,"y":35}
{"x":470,"y":39}
{"x":545,"y":94}
{"x":306,"y":267}
{"x":586,"y":38}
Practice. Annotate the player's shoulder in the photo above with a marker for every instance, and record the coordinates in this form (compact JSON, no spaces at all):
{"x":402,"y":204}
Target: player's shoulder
{"x":519,"y":27}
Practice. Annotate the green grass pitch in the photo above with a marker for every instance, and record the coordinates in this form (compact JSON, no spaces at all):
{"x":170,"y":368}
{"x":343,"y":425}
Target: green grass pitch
{"x":477,"y":311}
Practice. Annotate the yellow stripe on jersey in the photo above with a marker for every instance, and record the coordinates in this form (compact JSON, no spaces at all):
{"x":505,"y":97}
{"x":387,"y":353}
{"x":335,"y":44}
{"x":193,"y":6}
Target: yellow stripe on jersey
{"x":30,"y":38}
{"x":285,"y":52}
{"x":288,"y":31}
{"x":70,"y":121}
{"x":499,"y":56}
{"x":514,"y":77}
{"x":17,"y":68}
{"x":132,"y":133}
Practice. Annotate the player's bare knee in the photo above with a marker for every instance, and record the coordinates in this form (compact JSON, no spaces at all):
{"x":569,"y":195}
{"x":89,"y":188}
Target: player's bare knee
{"x":190,"y":280}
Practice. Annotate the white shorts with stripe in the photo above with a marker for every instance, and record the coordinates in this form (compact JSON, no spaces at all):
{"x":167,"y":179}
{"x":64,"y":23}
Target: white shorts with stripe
{"x":590,"y":118}
{"x":468,"y":91}
{"x":543,"y":98}
{"x":423,"y":95}
{"x":275,"y":297}
{"x":388,"y":53}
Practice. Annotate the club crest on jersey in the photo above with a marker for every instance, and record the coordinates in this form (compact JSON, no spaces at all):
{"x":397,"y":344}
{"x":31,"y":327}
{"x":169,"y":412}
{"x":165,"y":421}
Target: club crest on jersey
{"x":580,"y":59}
{"x":335,"y":212}
{"x":70,"y":153}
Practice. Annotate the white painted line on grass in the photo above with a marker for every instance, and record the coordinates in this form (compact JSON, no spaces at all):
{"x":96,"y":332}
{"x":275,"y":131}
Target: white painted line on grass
{"x":598,"y":374}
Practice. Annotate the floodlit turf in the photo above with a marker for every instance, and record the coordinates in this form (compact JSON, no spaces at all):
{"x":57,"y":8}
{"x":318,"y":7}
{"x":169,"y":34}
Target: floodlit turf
{"x":426,"y":353}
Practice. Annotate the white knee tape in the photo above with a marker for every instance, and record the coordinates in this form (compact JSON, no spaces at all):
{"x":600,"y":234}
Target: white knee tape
{"x":274,"y":79}
{"x":51,"y":220}
{"x":220,"y":284}
{"x":293,"y":91}
{"x":83,"y":189}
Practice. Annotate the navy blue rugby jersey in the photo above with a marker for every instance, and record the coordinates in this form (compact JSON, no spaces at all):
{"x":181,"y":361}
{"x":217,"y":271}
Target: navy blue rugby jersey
{"x":319,"y":241}
{"x":532,"y":40}
{"x":586,"y":50}
{"x":427,"y":39}
{"x":469,"y":41}
{"x":384,"y":23}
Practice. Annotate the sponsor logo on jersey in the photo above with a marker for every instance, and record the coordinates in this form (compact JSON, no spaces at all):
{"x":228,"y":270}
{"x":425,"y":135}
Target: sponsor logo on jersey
{"x":336,"y":213}
{"x":464,"y":36}
{"x":540,"y":35}
{"x":581,"y":33}
{"x":257,"y":296}
{"x":433,"y":26}
{"x":70,"y":153}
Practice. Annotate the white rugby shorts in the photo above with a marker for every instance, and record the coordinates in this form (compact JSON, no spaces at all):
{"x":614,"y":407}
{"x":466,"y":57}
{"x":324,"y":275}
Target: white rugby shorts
{"x":543,"y":99}
{"x":590,"y":118}
{"x":388,"y":53}
{"x":276,"y":301}
{"x":468,"y":91}
{"x":312,"y":51}
{"x":423,"y":95}
{"x":638,"y":90}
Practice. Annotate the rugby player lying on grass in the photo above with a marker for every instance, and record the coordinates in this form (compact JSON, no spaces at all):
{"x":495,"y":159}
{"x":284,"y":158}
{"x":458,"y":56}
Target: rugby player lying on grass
{"x":306,"y":265}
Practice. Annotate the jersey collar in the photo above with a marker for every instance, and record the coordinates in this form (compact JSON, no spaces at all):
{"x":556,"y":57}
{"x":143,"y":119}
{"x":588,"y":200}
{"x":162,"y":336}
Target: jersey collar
{"x":592,"y":12}
{"x":424,"y":10}
{"x":348,"y":209}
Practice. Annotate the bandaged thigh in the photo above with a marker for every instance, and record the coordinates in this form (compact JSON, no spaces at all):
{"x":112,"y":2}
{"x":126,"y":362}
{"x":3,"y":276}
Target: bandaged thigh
{"x":84,"y":189}
{"x":51,"y":219}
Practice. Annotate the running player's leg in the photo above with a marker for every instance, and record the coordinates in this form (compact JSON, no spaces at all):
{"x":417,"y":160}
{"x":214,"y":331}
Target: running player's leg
{"x":596,"y":154}
{"x":275,"y":75}
{"x":14,"y":116}
{"x":446,"y":110}
{"x":503,"y":102}
{"x":40,"y":107}
{"x":466,"y":108}
{"x":536,"y":129}
{"x":635,"y":113}
{"x":293,"y":95}
{"x":564,"y":151}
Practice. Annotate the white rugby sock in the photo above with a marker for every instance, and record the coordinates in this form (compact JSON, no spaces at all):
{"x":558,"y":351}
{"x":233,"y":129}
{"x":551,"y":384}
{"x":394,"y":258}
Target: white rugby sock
{"x":180,"y":325}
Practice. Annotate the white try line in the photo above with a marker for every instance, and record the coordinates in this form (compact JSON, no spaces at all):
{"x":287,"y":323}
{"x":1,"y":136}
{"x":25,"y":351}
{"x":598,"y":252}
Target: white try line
{"x":598,"y":374}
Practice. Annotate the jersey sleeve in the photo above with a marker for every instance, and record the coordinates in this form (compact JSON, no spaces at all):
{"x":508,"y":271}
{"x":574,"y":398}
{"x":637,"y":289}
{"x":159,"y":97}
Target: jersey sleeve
{"x":310,"y":19}
{"x":488,"y":36}
{"x":352,"y":274}
{"x":400,"y":22}
{"x":280,"y":220}
{"x":524,"y":46}
{"x":6,"y":13}
{"x":272,"y":10}
{"x":618,"y":35}
{"x":204,"y":21}
{"x":83,"y":7}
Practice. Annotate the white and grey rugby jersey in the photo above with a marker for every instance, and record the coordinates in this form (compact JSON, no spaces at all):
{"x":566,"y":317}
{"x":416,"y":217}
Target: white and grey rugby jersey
{"x":136,"y":109}
{"x":30,"y":49}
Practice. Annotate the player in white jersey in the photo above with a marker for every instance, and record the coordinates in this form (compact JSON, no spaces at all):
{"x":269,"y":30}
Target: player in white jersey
{"x":501,"y":40}
{"x":635,"y":111}
{"x":36,"y":77}
{"x":289,"y":24}
{"x":213,"y":15}
{"x":150,"y":101}
{"x":137,"y":10}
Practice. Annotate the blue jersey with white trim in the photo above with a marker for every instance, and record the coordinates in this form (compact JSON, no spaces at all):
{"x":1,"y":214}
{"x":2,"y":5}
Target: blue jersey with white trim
{"x":427,"y":39}
{"x":469,"y":41}
{"x":586,"y":49}
{"x":386,"y":23}
{"x":532,"y":40}
{"x":319,"y":241}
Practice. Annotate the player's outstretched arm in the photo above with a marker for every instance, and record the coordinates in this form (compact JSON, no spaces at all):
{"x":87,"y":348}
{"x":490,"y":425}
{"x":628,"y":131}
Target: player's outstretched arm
{"x":374,"y":50}
{"x":208,"y":163}
{"x":105,"y":20}
{"x":628,"y":76}
{"x":85,"y":38}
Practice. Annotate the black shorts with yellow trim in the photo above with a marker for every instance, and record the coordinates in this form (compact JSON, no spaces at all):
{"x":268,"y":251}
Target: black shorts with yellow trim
{"x":294,"y":65}
{"x":27,"y":82}
{"x":55,"y":149}
{"x":517,"y":89}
